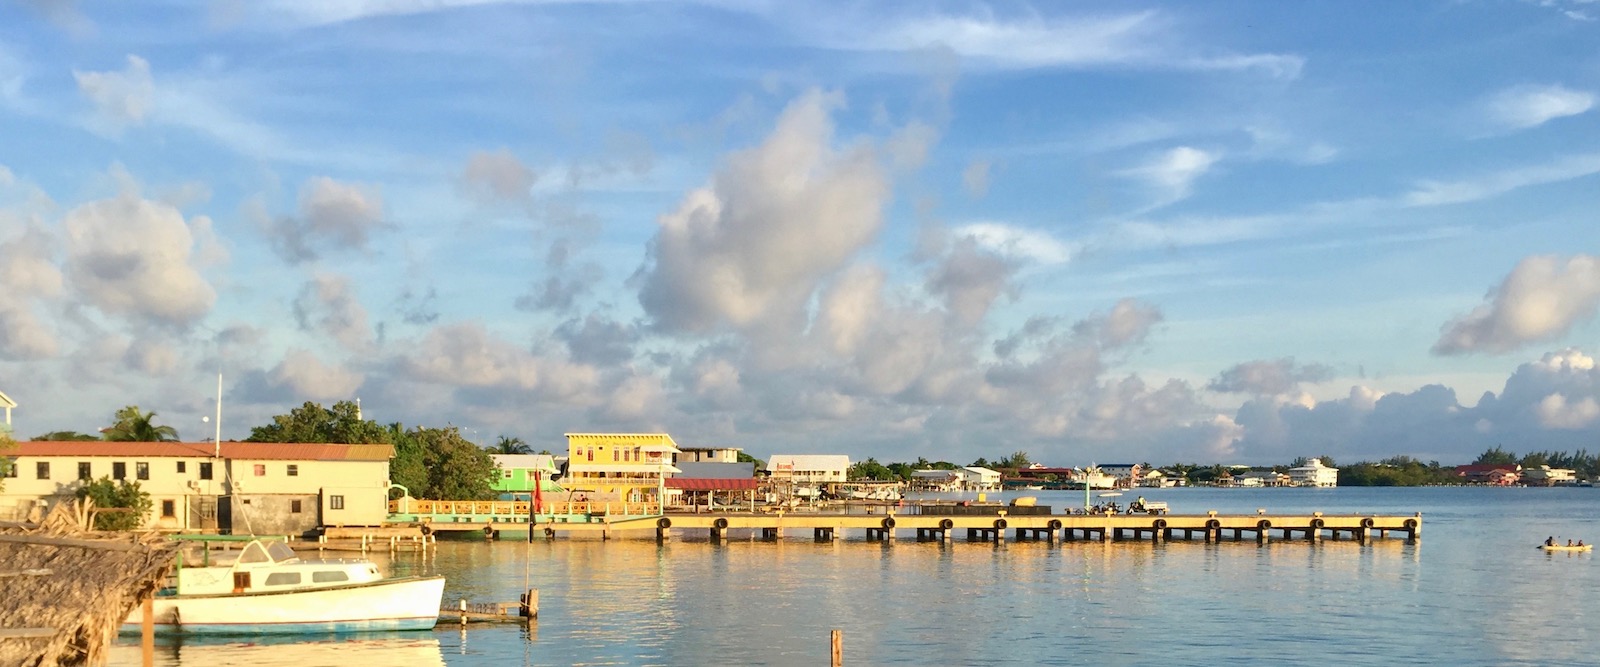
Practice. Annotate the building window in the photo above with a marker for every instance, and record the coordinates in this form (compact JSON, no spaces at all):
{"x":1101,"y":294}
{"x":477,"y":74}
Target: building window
{"x":141,"y":470}
{"x":294,"y":507}
{"x":261,"y":470}
{"x":183,"y":467}
{"x":85,"y":471}
{"x":11,"y":470}
{"x":294,"y":470}
{"x":169,"y":509}
{"x":615,"y":456}
{"x":205,"y":470}
{"x":119,"y":470}
{"x":506,"y":474}
{"x":335,"y":502}
{"x":42,"y":469}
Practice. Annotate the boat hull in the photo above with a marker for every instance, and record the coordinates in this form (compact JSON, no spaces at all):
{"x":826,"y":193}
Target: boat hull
{"x":391,"y":604}
{"x":1562,"y":547}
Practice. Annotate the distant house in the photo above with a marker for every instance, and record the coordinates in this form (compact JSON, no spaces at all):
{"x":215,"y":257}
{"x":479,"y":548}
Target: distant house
{"x":1547,"y":476}
{"x":1494,"y":474}
{"x":1313,"y":473}
{"x":935,"y":480}
{"x":707,"y":483}
{"x":519,"y":471}
{"x":974,"y":478}
{"x":707,"y":455}
{"x":628,"y":467}
{"x":1124,"y":471}
{"x":808,"y":468}
{"x":242,"y":487}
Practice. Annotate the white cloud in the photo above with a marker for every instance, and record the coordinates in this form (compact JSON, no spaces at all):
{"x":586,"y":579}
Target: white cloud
{"x":130,"y":256}
{"x":1174,"y":172}
{"x":1522,"y":107}
{"x":1541,"y":300}
{"x":120,"y":98}
{"x":975,"y":178}
{"x":1142,"y":39}
{"x":970,"y":278}
{"x":1016,"y":242}
{"x":328,"y":305}
{"x":1269,"y":377}
{"x":498,"y":176}
{"x":1556,"y":411}
{"x":750,"y":249}
{"x":332,"y":215}
{"x":467,"y":355}
{"x":1438,"y":193}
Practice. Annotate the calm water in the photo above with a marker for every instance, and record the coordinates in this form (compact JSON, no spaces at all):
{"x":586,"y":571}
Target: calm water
{"x":1474,"y":591}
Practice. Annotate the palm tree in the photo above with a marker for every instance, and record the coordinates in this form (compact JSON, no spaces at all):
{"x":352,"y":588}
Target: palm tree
{"x":134,"y":425}
{"x":510,"y":445}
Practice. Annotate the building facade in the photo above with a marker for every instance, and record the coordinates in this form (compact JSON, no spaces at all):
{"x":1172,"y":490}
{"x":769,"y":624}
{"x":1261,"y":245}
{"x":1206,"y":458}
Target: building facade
{"x":626,"y":467}
{"x":237,"y":487}
{"x":1314,"y":473}
{"x":707,"y":455}
{"x":808,"y":469}
{"x":519,"y":473}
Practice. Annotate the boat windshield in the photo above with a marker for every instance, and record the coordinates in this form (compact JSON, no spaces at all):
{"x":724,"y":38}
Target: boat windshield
{"x":275,"y":552}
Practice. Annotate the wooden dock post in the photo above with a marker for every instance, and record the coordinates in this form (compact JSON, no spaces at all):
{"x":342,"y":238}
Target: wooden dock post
{"x":836,"y":648}
{"x":147,"y":630}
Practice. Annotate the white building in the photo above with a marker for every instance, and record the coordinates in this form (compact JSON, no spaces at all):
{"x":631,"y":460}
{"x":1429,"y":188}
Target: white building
{"x":243,"y":487}
{"x":936,"y":480}
{"x":1313,"y":473}
{"x":1547,"y":476}
{"x":707,"y":455}
{"x":808,"y":468}
{"x":978,"y":479}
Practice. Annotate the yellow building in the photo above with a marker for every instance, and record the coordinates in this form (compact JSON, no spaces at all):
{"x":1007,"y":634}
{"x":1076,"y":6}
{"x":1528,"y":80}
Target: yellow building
{"x":627,"y":467}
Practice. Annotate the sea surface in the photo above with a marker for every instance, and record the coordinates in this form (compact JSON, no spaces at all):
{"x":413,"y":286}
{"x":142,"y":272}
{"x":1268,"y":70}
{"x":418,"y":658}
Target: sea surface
{"x":1473,"y":591}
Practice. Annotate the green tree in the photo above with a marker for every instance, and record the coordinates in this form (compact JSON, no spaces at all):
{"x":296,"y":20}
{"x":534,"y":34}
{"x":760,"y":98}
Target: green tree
{"x":457,"y":469}
{"x":510,"y":445}
{"x":742,"y":457}
{"x":1496,"y":456}
{"x":134,"y":425}
{"x":62,"y":436}
{"x":869,"y":469}
{"x":123,"y":495}
{"x":7,"y":446}
{"x":312,"y":423}
{"x":1016,"y":460}
{"x":408,"y":467}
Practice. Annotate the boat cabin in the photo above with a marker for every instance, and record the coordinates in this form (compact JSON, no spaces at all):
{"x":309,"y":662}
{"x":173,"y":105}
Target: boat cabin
{"x":270,"y":566}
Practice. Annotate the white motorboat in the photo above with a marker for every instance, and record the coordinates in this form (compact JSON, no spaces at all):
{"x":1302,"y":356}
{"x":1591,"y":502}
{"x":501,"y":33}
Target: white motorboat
{"x":267,"y":589}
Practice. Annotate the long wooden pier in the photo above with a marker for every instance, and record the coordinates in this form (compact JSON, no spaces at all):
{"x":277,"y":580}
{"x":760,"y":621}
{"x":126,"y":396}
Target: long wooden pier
{"x":1211,"y":527}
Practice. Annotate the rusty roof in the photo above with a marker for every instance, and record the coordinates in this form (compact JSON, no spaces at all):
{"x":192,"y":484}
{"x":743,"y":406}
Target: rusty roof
{"x":230,"y":450}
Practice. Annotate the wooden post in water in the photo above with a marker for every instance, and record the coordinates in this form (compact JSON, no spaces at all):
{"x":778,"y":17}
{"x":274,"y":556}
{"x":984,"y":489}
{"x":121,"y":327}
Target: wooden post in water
{"x":147,"y":631}
{"x":837,"y":648}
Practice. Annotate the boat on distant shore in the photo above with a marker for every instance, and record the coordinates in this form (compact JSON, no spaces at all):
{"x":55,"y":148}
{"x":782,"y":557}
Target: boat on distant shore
{"x":266,"y":589}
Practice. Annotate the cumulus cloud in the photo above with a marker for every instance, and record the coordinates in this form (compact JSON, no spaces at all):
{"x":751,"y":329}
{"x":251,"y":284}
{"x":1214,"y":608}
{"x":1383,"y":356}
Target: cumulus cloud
{"x":970,"y":278}
{"x":120,"y":98}
{"x":1522,"y":107}
{"x":1127,"y":324}
{"x":749,"y":249}
{"x":1269,"y":377}
{"x":23,"y":337}
{"x":332,"y":215}
{"x":598,"y":340}
{"x":130,"y":256}
{"x":1016,"y":242}
{"x":327,"y":305}
{"x":302,"y":374}
{"x":151,"y":357}
{"x":467,"y":355}
{"x":498,"y":177}
{"x":1541,"y":300}
{"x":1557,"y":411}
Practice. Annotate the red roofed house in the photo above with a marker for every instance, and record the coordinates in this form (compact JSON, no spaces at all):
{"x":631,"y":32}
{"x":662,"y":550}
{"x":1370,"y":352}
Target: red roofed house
{"x":1496,"y":474}
{"x":237,"y":487}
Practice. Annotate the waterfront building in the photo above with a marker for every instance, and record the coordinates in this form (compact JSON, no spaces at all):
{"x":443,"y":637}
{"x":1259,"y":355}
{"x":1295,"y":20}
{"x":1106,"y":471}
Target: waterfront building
{"x":808,"y":469}
{"x":706,"y":455}
{"x":261,"y":488}
{"x":1493,"y":474}
{"x":1547,"y":476}
{"x":518,"y":473}
{"x":1127,"y":474}
{"x":973,"y":478}
{"x":1314,"y":473}
{"x":935,"y":480}
{"x":712,"y":484}
{"x":627,"y":467}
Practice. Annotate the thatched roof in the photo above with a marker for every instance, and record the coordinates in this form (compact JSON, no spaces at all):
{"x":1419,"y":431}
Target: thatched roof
{"x":67,"y":589}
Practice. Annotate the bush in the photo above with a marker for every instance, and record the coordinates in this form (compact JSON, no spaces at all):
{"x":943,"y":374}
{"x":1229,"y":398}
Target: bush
{"x":126,"y":495}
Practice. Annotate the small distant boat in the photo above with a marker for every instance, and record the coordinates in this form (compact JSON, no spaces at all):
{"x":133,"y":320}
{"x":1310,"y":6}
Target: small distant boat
{"x":1563,"y":547}
{"x":1034,"y":487}
{"x":267,"y":589}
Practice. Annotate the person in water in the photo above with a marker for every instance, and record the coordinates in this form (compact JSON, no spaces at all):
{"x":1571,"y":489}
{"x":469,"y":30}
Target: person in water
{"x":1569,"y":543}
{"x":1550,"y":541}
{"x":1580,"y":543}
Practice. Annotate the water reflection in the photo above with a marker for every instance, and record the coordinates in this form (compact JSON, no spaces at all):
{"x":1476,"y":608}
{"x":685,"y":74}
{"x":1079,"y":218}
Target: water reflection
{"x":409,"y":649}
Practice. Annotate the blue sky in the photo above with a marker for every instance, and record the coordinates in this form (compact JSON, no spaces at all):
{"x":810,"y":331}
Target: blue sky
{"x":1230,"y":232}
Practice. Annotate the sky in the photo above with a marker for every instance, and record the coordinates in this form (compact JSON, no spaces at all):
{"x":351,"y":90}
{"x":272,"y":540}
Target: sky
{"x":1233,"y":232}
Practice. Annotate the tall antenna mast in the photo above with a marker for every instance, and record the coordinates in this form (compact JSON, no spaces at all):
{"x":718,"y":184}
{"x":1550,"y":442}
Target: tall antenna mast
{"x":216,"y":449}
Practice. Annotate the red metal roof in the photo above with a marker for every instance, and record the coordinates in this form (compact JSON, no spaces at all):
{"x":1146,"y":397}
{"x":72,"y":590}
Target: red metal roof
{"x":711,"y":484}
{"x":231,"y":450}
